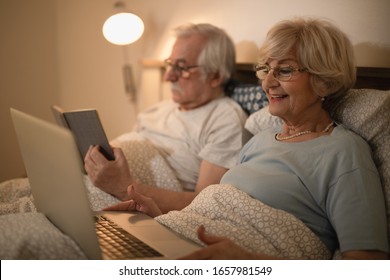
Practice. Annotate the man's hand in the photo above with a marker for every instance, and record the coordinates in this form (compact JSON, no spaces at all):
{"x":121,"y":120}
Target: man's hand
{"x":113,"y":176}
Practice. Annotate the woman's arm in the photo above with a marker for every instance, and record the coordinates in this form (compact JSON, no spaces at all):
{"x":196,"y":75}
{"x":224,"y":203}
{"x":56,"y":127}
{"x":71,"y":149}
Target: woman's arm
{"x":222,"y":248}
{"x":364,"y":255}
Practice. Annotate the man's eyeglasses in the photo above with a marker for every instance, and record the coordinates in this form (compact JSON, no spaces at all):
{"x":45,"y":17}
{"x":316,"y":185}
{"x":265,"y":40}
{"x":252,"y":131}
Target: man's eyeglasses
{"x":282,"y":72}
{"x":181,"y":71}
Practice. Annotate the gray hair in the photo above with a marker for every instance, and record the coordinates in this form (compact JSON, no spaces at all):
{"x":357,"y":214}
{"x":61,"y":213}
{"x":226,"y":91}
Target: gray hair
{"x":320,"y":47}
{"x":218,"y":54}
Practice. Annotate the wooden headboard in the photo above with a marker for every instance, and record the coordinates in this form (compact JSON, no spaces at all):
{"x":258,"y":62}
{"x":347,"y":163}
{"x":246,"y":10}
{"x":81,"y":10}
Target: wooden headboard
{"x":367,"y":77}
{"x":153,"y":73}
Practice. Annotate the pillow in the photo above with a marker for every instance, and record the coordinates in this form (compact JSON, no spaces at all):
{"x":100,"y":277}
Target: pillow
{"x":367,"y":113}
{"x":262,"y":120}
{"x":250,"y":97}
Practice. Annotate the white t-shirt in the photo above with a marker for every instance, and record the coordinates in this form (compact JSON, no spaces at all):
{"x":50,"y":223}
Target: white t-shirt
{"x":213,"y":132}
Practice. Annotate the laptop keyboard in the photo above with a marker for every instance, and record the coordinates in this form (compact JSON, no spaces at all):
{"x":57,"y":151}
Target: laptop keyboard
{"x":116,"y":243}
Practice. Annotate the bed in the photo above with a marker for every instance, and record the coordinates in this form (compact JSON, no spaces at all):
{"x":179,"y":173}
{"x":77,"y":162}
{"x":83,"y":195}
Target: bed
{"x":364,"y":109}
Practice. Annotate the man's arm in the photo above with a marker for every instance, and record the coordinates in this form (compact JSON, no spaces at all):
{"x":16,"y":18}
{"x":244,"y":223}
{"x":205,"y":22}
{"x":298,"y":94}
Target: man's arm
{"x":113,"y":176}
{"x":171,"y":200}
{"x":209,"y":174}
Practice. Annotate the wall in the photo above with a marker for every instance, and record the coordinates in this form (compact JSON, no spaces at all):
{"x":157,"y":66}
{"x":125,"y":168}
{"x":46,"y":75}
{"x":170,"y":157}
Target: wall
{"x":90,"y":67}
{"x":53,"y":51}
{"x":28,"y":70}
{"x":247,"y":21}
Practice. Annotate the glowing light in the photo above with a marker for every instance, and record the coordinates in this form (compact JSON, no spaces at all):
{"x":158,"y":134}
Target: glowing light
{"x":123,"y":28}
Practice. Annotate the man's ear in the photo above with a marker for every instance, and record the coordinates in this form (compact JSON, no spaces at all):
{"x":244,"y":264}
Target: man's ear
{"x":215,"y":80}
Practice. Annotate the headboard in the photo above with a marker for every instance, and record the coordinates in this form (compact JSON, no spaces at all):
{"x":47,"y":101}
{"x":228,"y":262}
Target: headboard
{"x":367,"y":77}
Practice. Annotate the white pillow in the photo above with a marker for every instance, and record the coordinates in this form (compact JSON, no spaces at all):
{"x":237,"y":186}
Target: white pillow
{"x":262,"y":120}
{"x":367,"y":113}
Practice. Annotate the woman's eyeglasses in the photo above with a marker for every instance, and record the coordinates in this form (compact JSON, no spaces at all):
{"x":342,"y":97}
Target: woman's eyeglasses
{"x":282,"y":72}
{"x":181,"y":71}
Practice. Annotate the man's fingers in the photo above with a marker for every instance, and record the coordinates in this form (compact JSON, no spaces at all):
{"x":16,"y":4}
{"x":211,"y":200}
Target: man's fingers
{"x":118,"y":152}
{"x":97,"y":157}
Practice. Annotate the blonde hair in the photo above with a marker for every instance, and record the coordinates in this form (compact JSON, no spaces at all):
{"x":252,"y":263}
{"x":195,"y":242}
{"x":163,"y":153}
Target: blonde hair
{"x":218,"y":54}
{"x":320,"y":47}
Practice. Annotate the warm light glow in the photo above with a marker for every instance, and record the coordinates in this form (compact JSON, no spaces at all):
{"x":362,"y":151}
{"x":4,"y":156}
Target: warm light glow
{"x":123,"y":28}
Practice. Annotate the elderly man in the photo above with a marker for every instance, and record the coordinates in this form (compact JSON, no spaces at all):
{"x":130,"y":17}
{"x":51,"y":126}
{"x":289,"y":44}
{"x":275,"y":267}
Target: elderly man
{"x":200,"y":130}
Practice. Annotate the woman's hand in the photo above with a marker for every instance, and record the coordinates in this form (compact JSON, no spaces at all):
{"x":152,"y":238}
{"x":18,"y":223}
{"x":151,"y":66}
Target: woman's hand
{"x":220,"y":248}
{"x":113,"y":176}
{"x":137,"y":202}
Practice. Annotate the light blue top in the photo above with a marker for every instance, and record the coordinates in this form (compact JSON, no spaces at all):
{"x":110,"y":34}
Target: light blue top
{"x":330,"y":183}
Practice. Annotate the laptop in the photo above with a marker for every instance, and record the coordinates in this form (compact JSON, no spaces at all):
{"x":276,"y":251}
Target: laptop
{"x":55,"y":173}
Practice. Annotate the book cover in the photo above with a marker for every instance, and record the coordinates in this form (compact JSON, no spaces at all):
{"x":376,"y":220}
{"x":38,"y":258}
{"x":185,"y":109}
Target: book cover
{"x":86,"y":128}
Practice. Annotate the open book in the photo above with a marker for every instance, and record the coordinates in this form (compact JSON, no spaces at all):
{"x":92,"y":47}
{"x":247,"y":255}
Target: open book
{"x":86,"y":128}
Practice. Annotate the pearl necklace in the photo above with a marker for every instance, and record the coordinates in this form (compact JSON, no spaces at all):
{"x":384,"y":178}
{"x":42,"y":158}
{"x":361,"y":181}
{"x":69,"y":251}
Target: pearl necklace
{"x":279,"y":138}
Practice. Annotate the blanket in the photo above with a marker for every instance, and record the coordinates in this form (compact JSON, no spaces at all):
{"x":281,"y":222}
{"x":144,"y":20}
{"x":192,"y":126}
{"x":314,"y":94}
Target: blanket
{"x":27,"y":234}
{"x":31,"y":236}
{"x":227,"y":211}
{"x":222,"y":209}
{"x":146,"y":164}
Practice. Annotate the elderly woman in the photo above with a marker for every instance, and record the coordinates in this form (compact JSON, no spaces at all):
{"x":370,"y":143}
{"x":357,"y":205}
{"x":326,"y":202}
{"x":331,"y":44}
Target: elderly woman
{"x":314,"y":168}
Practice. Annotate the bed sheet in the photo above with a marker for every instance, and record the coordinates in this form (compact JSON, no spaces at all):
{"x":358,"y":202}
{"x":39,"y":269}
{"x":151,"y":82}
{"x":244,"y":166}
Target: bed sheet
{"x":220,"y":208}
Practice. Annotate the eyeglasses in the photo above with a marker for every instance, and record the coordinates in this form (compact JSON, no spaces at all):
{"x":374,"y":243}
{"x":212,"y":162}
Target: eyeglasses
{"x":282,"y":72}
{"x":181,"y":71}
